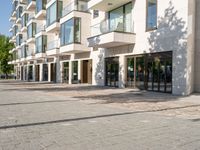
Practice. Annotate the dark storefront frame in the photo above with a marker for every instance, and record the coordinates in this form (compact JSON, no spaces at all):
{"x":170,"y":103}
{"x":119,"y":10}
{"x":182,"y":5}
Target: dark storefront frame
{"x":112,"y":71}
{"x":151,"y":72}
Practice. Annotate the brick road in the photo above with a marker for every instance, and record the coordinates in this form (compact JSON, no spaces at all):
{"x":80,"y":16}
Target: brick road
{"x":62,"y":117}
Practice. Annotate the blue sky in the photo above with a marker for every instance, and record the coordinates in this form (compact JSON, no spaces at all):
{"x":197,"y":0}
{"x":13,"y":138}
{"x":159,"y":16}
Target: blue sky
{"x":5,"y":12}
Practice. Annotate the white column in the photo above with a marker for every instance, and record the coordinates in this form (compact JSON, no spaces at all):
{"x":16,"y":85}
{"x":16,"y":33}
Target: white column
{"x":70,"y":72}
{"x":33,"y":72}
{"x":41,"y":72}
{"x":79,"y":70}
{"x":49,"y":72}
{"x":122,"y":73}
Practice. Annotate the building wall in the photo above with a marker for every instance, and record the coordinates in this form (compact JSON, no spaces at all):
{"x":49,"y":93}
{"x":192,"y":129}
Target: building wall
{"x":171,"y":35}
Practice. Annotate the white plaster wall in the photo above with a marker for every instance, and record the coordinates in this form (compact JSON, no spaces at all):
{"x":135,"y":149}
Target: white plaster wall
{"x":171,"y":35}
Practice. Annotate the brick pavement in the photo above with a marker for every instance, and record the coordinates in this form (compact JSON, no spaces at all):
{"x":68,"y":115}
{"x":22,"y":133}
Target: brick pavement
{"x":63,"y":117}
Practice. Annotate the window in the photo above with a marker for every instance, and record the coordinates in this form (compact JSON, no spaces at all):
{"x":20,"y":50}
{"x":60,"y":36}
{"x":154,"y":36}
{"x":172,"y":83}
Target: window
{"x":71,"y":31}
{"x":31,"y":31}
{"x":54,"y":12}
{"x":41,"y":44}
{"x":24,"y":20}
{"x":40,"y":5}
{"x":95,"y":14}
{"x":19,"y":39}
{"x":151,"y":21}
{"x":120,"y":19}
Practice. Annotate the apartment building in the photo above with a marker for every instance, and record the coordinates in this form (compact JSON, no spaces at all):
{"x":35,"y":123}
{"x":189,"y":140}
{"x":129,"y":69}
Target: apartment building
{"x":146,"y":44}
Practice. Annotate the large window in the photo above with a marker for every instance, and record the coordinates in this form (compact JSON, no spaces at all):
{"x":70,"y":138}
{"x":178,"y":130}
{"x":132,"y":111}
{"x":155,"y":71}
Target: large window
{"x":24,"y":51}
{"x":40,"y":5}
{"x":19,"y":39}
{"x":120,"y":19}
{"x":54,"y":12}
{"x":150,"y":72}
{"x":41,"y":44}
{"x":151,"y":21}
{"x":31,"y":30}
{"x":19,"y":12}
{"x":24,"y":20}
{"x":71,"y":31}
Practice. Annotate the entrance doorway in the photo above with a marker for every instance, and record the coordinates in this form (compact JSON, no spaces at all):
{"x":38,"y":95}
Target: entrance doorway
{"x":112,"y":71}
{"x":53,"y":72}
{"x":30,"y":73}
{"x":87,"y":71}
{"x":45,"y":72}
{"x":25,"y":73}
{"x":22,"y":73}
{"x":66,"y":72}
{"x":75,"y":72}
{"x":37,"y":73}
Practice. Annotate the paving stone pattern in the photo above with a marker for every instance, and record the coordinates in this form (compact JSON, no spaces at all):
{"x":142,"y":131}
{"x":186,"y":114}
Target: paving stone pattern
{"x":45,"y":116}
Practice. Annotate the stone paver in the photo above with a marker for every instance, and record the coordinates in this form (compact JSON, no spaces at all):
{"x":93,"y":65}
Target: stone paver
{"x":56,"y":116}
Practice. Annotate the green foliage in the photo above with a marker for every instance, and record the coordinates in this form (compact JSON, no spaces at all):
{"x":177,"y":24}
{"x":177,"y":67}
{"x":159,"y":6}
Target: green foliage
{"x":5,"y":56}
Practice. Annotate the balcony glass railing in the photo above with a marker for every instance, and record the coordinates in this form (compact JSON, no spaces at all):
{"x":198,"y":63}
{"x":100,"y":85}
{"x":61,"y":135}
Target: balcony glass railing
{"x":40,"y":29}
{"x":117,"y":25}
{"x":29,"y":1}
{"x":52,"y":45}
{"x":29,"y":52}
{"x":79,"y":6}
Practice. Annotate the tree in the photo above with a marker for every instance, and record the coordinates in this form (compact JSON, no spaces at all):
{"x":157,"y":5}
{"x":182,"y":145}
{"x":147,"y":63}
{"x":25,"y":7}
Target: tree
{"x":5,"y":56}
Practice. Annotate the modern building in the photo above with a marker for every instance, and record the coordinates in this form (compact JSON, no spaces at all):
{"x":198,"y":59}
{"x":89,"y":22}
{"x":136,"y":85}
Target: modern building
{"x":147,"y":44}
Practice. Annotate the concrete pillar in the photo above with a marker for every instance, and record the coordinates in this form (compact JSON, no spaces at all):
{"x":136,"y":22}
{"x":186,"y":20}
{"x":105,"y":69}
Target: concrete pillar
{"x":70,"y":72}
{"x":58,"y":70}
{"x":122,"y":74}
{"x":80,"y":71}
{"x":33,"y":73}
{"x":41,"y":72}
{"x":49,"y":72}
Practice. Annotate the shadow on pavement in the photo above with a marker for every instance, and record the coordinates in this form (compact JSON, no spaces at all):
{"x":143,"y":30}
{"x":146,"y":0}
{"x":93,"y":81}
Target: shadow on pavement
{"x":88,"y":118}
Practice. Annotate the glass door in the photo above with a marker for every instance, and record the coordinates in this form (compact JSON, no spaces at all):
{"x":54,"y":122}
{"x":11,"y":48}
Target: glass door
{"x":66,"y":72}
{"x":75,"y":72}
{"x":130,"y":72}
{"x":112,"y":71}
{"x":45,"y":72}
{"x":140,"y":72}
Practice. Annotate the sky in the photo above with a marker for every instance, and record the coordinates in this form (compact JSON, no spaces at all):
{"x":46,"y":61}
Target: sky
{"x":5,"y":12}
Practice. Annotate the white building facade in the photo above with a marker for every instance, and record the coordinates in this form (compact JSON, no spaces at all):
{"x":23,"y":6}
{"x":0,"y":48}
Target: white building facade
{"x":147,"y":44}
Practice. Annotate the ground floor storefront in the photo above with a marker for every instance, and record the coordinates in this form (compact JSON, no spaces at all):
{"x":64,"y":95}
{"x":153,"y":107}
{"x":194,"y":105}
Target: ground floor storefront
{"x":152,"y":72}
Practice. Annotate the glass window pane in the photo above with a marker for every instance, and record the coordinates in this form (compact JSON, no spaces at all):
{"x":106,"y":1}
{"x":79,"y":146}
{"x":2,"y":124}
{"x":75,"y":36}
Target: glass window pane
{"x":128,"y":18}
{"x":77,"y":32}
{"x":151,"y":14}
{"x":116,"y":19}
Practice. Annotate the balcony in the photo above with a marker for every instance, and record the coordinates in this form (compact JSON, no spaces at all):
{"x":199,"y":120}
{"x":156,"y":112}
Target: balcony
{"x":40,"y":9}
{"x":12,"y":18}
{"x":41,"y":15}
{"x":106,"y":5}
{"x":75,"y":6}
{"x":30,"y":55}
{"x":52,"y":48}
{"x":31,"y":5}
{"x":55,"y":27}
{"x":74,"y":48}
{"x":109,"y":34}
{"x":53,"y":21}
{"x":40,"y":30}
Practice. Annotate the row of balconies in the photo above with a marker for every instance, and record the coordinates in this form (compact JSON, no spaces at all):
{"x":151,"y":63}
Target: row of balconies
{"x":104,"y":34}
